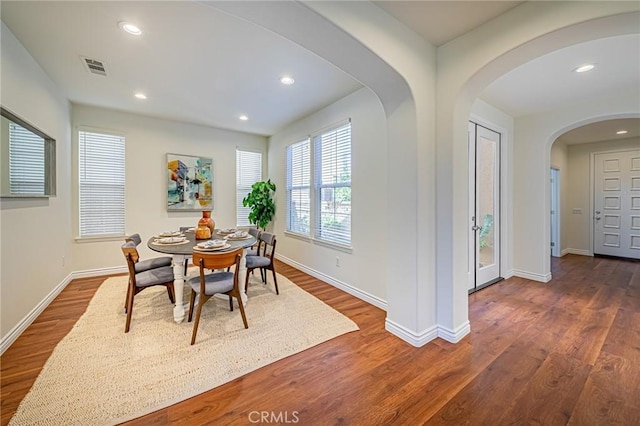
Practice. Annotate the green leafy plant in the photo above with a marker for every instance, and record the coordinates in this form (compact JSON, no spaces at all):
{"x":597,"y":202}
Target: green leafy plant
{"x":260,"y":201}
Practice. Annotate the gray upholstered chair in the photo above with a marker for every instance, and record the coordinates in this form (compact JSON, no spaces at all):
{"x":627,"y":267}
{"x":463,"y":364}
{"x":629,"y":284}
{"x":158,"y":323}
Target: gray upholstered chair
{"x":140,"y":280}
{"x":254,"y":250}
{"x":145,"y":265}
{"x":263,"y":261}
{"x":206,"y":285}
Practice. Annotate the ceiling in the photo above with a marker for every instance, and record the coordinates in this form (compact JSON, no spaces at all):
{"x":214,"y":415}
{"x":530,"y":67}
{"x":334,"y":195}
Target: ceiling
{"x":441,"y":21}
{"x":602,"y":131}
{"x":199,"y":65}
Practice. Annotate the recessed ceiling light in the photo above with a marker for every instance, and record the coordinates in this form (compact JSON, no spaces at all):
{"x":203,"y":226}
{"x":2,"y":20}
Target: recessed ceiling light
{"x":287,"y":80}
{"x":243,"y":118}
{"x":130,"y":28}
{"x":622,"y":132}
{"x":140,"y":96}
{"x":584,"y":68}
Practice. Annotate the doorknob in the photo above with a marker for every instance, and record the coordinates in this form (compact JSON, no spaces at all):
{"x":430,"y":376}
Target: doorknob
{"x":476,"y":228}
{"x":597,"y":217}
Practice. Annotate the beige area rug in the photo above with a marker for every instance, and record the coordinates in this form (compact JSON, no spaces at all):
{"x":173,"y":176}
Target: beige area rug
{"x":98,"y":375}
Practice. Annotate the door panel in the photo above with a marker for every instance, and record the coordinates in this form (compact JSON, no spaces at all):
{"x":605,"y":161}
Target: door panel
{"x":484,"y":165}
{"x":617,"y":204}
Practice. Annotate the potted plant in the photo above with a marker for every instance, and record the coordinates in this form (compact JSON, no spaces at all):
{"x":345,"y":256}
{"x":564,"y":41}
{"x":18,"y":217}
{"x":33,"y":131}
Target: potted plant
{"x":261,"y":204}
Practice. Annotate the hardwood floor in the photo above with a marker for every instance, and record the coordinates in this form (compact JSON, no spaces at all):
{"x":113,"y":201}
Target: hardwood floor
{"x":565,"y":352}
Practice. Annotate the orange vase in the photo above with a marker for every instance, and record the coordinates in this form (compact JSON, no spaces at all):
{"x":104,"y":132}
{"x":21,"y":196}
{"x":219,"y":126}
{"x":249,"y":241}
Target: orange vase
{"x":207,"y":221}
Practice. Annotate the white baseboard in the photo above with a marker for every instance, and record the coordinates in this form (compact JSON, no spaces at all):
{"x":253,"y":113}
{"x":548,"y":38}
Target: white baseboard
{"x":575,"y":251}
{"x":533,"y":276}
{"x":16,"y":331}
{"x":454,"y":336}
{"x":415,"y":339}
{"x":363,"y":295}
{"x":508,"y":274}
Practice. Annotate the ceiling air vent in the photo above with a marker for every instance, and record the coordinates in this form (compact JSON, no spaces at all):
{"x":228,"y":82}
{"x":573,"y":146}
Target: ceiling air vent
{"x":94,"y":66}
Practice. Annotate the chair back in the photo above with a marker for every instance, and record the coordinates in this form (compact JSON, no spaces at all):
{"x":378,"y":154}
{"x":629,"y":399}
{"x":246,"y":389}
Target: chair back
{"x":135,"y":238}
{"x":131,"y":254}
{"x":215,"y":260}
{"x":268,"y":239}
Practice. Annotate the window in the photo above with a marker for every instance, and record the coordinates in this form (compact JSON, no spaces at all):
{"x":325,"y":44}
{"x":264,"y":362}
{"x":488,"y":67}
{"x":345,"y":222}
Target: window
{"x":26,"y":161}
{"x":248,"y":172}
{"x":298,"y":188}
{"x":101,"y":184}
{"x":332,"y":178}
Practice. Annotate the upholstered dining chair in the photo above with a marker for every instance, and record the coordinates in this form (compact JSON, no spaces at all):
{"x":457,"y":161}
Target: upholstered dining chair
{"x":254,"y":250}
{"x":145,"y":265}
{"x":140,"y":280}
{"x":205,"y":285}
{"x":264,"y":261}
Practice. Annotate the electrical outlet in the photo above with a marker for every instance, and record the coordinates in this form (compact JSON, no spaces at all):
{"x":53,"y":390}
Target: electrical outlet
{"x":337,"y":261}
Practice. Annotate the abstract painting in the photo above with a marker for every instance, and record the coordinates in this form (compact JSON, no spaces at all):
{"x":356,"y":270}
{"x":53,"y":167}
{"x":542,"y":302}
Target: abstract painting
{"x":189,"y":183}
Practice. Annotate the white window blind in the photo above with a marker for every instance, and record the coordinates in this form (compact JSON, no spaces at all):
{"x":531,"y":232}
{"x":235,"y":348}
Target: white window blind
{"x":248,"y":172}
{"x":332,"y":179}
{"x":298,"y":187}
{"x":102,"y":184}
{"x":26,"y":161}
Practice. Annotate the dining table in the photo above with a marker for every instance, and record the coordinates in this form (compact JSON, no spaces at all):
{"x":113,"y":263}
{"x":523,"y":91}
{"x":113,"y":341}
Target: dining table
{"x":183,"y":251}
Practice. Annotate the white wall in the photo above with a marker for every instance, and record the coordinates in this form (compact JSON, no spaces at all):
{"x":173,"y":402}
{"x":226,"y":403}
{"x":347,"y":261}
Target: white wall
{"x":148,"y":140}
{"x":35,"y":233}
{"x":363,"y":271}
{"x":534,"y":136}
{"x":578,"y":195}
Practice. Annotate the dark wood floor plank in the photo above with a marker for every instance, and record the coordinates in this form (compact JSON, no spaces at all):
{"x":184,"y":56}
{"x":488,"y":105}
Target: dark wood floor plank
{"x":550,"y":397}
{"x":611,"y":395}
{"x":527,"y":360}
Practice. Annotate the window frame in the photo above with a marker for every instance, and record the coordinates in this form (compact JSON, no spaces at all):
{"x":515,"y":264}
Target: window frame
{"x":239,"y":201}
{"x":105,"y":236}
{"x":315,"y":190}
{"x":290,"y":187}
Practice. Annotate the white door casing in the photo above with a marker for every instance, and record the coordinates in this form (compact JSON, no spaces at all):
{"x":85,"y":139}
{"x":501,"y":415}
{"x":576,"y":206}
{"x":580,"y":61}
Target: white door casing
{"x":616,"y":207}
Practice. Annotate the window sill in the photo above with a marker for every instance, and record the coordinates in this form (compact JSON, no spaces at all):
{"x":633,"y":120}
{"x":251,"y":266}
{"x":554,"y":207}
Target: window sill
{"x":99,"y":239}
{"x":297,"y":236}
{"x":335,"y":246}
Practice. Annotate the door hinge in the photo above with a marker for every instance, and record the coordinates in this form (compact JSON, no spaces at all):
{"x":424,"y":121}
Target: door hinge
{"x":553,"y":244}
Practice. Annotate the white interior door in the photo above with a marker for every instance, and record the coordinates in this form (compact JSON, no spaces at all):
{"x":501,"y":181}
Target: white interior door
{"x":485,"y":221}
{"x":616,"y":218}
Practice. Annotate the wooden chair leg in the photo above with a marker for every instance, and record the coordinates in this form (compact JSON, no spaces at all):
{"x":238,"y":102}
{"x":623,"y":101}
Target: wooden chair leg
{"x":244,"y":317}
{"x":275,"y":281}
{"x":130,"y":294}
{"x":230,"y":303}
{"x":201,"y":300}
{"x":192,"y":301}
{"x":172,"y":296}
{"x":246,"y":280}
{"x":126,"y":300}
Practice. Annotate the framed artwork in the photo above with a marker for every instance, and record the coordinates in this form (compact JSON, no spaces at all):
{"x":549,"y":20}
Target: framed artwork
{"x":189,"y":183}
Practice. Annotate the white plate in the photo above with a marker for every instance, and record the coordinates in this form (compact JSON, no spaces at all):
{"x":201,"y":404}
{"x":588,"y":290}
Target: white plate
{"x":224,"y":247}
{"x":227,"y":231}
{"x":212,"y":244}
{"x":170,"y":240}
{"x":238,"y":237}
{"x":170,"y":234}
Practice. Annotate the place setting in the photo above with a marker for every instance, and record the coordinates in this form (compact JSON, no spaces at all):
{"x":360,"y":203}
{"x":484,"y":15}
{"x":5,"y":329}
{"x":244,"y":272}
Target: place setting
{"x":212,"y":245}
{"x":238,"y":235}
{"x":170,"y":238}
